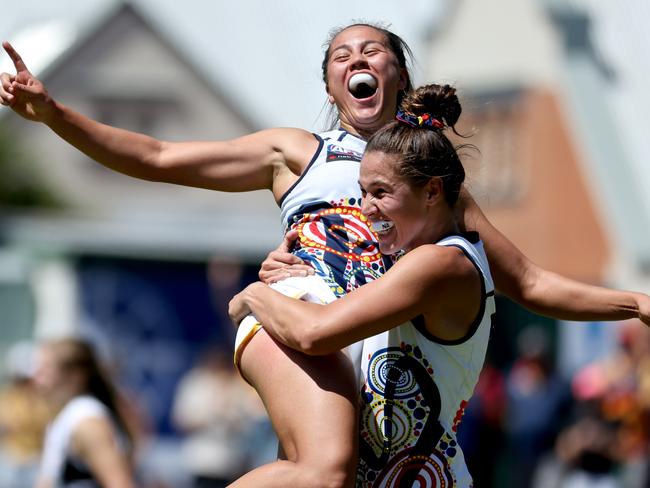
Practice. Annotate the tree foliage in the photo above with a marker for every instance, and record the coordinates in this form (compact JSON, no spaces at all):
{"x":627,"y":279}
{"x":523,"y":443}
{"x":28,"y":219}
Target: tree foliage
{"x":21,"y":185}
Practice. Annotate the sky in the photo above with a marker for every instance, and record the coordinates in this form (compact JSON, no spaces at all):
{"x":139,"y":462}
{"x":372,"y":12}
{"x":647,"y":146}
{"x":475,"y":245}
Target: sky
{"x":264,"y":54}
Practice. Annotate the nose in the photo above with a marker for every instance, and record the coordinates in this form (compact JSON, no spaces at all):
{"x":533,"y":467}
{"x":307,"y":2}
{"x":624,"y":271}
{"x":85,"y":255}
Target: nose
{"x":368,"y":206}
{"x":358,"y":61}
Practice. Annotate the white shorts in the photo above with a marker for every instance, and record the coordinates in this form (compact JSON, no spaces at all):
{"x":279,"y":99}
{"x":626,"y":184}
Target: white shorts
{"x":308,"y":288}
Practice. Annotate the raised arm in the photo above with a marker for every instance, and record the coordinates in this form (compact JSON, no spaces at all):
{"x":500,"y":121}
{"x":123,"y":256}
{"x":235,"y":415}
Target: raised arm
{"x":543,"y":291}
{"x":268,"y":159}
{"x":437,"y":282}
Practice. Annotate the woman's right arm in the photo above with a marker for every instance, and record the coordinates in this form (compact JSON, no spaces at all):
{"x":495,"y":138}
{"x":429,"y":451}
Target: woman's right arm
{"x":435,"y":281}
{"x":262,"y":160}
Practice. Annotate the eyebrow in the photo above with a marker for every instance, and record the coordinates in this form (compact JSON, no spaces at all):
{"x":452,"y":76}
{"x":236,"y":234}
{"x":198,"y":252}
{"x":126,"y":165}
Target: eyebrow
{"x":376,"y":182}
{"x":363,"y":45}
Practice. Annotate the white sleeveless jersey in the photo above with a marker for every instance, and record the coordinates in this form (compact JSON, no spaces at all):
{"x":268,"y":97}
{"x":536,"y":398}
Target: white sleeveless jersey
{"x":331,"y":176}
{"x":324,"y":205}
{"x":415,"y":392}
{"x":57,"y":464}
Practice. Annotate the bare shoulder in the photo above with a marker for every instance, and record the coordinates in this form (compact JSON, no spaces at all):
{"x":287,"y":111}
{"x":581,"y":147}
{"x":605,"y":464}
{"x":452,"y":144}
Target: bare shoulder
{"x":299,"y":146}
{"x":451,"y":288}
{"x":285,"y":138}
{"x":93,"y":430}
{"x":434,"y":256}
{"x":433,"y":264}
{"x":296,"y":146}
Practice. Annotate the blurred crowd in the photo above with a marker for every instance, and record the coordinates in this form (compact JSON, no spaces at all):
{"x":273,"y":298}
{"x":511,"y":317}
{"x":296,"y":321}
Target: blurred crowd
{"x":221,"y":427}
{"x":527,"y":425}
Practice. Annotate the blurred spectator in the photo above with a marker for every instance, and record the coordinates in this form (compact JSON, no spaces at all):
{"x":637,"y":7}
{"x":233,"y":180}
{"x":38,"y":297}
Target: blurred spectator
{"x":481,"y":431}
{"x":537,"y":404}
{"x":23,"y":417}
{"x":88,"y":443}
{"x":587,"y":449}
{"x":607,"y":443}
{"x":212,"y":408}
{"x":225,"y":276}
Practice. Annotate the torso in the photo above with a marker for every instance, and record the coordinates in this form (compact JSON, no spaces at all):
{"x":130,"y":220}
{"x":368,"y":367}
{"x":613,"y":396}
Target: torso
{"x":324,"y":205}
{"x":415,"y":391}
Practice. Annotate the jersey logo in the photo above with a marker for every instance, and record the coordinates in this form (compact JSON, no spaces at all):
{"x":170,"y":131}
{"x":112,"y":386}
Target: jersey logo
{"x":339,"y":153}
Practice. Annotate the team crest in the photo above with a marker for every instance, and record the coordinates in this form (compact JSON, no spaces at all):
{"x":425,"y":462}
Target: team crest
{"x":340,"y":153}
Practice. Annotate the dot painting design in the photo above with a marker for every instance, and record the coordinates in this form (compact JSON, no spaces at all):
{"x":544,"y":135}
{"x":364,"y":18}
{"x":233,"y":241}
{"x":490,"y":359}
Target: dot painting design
{"x":339,"y":244}
{"x":402,"y":441}
{"x":352,"y":233}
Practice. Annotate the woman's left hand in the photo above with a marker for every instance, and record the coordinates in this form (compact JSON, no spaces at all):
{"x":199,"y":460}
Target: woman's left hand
{"x":281,"y":264}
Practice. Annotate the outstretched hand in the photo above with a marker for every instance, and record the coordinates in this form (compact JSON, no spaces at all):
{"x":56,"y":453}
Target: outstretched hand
{"x":281,"y":264}
{"x":643,"y":303}
{"x":23,"y":92}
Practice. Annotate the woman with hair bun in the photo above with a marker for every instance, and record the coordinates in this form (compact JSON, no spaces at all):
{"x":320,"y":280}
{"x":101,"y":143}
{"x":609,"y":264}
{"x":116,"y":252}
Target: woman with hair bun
{"x":425,"y":323}
{"x":313,"y":178}
{"x":87,"y":445}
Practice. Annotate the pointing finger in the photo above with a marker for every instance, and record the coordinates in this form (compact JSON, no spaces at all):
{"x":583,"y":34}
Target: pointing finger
{"x":15,"y":57}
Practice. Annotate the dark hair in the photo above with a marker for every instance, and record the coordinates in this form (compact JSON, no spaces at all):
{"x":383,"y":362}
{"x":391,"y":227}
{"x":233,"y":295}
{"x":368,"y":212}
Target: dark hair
{"x":78,"y":355}
{"x":424,"y":151}
{"x":395,"y":43}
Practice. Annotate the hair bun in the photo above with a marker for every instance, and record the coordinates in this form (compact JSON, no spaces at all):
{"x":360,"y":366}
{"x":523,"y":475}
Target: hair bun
{"x":438,"y":101}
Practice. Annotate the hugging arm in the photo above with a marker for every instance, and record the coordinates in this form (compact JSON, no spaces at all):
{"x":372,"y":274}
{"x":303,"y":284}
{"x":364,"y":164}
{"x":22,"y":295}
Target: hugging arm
{"x":429,"y":280}
{"x":541,"y":290}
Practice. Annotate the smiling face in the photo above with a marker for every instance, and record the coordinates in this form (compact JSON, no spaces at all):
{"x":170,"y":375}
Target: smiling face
{"x":363,"y":79}
{"x":400,"y":213}
{"x":48,"y":376}
{"x":53,"y":378}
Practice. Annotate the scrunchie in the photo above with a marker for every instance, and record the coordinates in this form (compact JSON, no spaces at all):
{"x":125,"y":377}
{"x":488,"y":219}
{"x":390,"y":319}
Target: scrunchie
{"x":425,"y":120}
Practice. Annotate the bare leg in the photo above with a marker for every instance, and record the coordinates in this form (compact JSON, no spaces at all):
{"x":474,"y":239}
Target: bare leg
{"x":311,"y":401}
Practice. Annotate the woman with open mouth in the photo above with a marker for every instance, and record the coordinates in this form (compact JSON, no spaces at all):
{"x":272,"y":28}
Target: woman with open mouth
{"x":426,"y":322}
{"x":314,"y":180}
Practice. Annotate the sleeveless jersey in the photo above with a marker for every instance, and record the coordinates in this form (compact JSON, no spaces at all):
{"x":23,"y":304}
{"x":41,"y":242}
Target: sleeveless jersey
{"x":57,"y":463}
{"x":415,"y":392}
{"x":324,"y":205}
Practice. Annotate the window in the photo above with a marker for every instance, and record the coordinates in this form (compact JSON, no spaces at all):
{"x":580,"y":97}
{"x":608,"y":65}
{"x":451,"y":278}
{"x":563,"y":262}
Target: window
{"x":496,"y":173}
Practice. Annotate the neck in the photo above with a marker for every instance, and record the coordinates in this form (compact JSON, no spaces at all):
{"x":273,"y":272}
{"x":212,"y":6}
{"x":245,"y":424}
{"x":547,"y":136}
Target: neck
{"x":441,"y":226}
{"x":59,"y":401}
{"x":64,"y":393}
{"x":446,"y":223}
{"x":365,"y":132}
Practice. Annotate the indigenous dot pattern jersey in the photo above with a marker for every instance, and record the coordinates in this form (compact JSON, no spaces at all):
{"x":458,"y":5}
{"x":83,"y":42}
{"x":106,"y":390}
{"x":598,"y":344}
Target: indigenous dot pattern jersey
{"x":324,"y":205}
{"x":415,"y":391}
